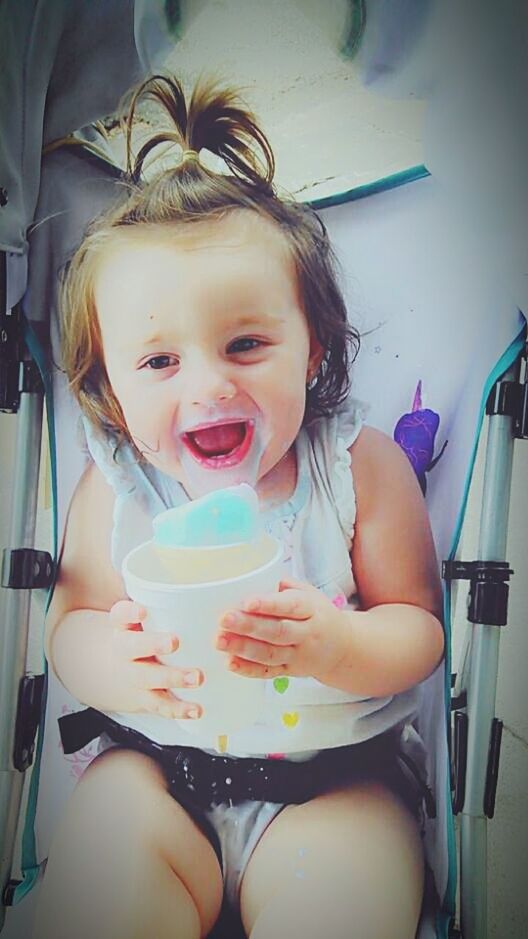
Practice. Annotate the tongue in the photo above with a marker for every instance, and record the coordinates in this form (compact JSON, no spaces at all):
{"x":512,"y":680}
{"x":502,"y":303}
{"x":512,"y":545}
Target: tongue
{"x":214,"y":441}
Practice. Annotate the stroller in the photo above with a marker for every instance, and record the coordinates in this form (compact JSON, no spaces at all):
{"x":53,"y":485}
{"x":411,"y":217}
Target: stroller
{"x":438,"y":397}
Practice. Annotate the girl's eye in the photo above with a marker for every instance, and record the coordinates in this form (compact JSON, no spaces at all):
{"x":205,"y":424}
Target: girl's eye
{"x":244,"y":344}
{"x":159,"y":362}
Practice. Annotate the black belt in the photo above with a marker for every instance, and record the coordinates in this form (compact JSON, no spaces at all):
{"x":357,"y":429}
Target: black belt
{"x":207,"y":779}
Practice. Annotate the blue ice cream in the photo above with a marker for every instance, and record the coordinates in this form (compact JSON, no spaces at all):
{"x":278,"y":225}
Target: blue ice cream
{"x":222,"y":518}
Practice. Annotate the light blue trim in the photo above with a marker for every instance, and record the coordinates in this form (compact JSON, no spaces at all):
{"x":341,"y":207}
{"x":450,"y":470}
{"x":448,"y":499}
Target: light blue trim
{"x":356,"y":27}
{"x":369,"y":189}
{"x":29,"y":863}
{"x":506,"y":360}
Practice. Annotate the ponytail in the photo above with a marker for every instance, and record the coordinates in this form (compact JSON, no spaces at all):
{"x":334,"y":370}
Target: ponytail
{"x":215,"y":120}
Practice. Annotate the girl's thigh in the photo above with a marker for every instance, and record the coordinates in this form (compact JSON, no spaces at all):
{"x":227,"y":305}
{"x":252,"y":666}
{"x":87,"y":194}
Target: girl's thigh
{"x":349,"y":863}
{"x":121,"y":825}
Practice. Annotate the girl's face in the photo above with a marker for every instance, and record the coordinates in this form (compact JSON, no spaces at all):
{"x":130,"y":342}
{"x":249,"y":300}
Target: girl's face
{"x":207,"y":348}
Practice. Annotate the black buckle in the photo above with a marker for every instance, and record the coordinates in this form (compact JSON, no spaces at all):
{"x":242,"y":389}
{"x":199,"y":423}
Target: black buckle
{"x":29,"y":709}
{"x":488,"y":593}
{"x":27,"y":569}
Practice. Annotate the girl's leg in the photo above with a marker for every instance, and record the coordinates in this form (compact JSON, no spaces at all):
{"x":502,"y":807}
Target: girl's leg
{"x":347,"y":864}
{"x":127,"y":861}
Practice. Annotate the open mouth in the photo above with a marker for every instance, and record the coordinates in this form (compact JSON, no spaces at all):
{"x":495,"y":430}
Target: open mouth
{"x":218,"y":446}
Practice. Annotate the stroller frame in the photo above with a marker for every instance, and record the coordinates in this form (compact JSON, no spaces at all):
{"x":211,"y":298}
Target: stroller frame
{"x":476,"y":732}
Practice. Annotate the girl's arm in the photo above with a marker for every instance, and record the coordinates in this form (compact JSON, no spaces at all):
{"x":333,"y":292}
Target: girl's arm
{"x":94,"y":641}
{"x":396,"y":639}
{"x":86,"y":579}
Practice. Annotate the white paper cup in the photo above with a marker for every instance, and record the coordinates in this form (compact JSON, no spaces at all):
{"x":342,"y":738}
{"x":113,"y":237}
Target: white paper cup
{"x":192,"y":612}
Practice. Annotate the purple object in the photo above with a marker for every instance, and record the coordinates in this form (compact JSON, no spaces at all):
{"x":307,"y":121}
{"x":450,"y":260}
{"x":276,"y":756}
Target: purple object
{"x":415,"y":433}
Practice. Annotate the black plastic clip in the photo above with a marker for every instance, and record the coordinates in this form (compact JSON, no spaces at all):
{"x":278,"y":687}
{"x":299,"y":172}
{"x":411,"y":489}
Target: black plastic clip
{"x":492,"y":774}
{"x":29,"y":709}
{"x":27,"y":569}
{"x":10,"y":352}
{"x":18,"y":372}
{"x":488,"y":592}
{"x":459,"y":760}
{"x":511,"y":398}
{"x":8,"y":896}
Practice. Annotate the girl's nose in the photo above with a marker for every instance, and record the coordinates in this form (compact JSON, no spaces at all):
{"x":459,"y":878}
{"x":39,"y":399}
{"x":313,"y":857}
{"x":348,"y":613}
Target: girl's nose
{"x":212,"y":389}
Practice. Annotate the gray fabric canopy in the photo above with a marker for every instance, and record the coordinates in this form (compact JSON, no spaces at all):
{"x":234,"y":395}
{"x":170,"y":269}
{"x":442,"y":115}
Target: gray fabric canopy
{"x":65,"y":63}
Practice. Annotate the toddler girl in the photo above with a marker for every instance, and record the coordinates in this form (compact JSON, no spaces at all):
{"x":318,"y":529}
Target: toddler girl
{"x":203,"y":327}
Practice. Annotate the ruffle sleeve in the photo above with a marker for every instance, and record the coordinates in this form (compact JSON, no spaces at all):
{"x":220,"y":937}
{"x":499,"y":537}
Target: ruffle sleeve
{"x":331,"y":440}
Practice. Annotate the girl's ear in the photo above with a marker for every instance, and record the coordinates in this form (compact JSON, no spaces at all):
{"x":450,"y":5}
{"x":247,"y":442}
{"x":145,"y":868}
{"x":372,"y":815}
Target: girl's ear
{"x":315,"y":357}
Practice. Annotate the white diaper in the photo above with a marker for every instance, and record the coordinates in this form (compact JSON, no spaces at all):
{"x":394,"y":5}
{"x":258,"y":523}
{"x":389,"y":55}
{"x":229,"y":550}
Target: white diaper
{"x":239,"y":829}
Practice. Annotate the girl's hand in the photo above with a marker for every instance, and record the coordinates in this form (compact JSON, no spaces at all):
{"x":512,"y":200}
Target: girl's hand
{"x":136,"y":680}
{"x":297,"y":632}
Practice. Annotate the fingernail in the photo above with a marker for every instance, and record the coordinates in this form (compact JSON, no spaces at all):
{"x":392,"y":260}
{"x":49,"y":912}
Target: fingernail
{"x":193,"y":713}
{"x":221,"y":642}
{"x":229,"y":619}
{"x":191,"y":678}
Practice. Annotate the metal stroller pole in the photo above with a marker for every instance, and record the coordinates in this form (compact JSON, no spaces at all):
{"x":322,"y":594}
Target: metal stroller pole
{"x":14,"y":622}
{"x":481,"y":681}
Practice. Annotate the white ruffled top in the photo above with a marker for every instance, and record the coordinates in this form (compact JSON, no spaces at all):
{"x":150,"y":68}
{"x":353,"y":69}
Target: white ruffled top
{"x":316,"y":527}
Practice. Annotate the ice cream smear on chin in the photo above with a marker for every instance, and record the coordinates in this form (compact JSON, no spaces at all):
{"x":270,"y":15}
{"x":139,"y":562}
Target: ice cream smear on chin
{"x":215,"y":537}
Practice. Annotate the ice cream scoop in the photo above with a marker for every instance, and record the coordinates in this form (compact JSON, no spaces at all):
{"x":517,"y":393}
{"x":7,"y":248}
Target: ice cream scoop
{"x":216,"y":536}
{"x":225,"y":517}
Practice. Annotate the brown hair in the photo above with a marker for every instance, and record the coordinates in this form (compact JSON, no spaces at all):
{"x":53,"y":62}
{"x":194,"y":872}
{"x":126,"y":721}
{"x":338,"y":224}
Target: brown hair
{"x":214,"y":119}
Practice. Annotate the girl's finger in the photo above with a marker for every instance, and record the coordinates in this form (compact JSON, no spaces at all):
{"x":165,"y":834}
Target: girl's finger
{"x":142,"y":645}
{"x":280,"y":632}
{"x":289,"y":604}
{"x":288,"y":583}
{"x":166,"y":705}
{"x":152,"y":675}
{"x":260,"y":652}
{"x":126,"y":613}
{"x":255,"y":670}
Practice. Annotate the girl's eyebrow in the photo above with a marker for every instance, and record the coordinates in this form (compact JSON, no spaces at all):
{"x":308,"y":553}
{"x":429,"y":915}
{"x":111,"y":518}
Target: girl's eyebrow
{"x":152,"y":340}
{"x":257,"y":319}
